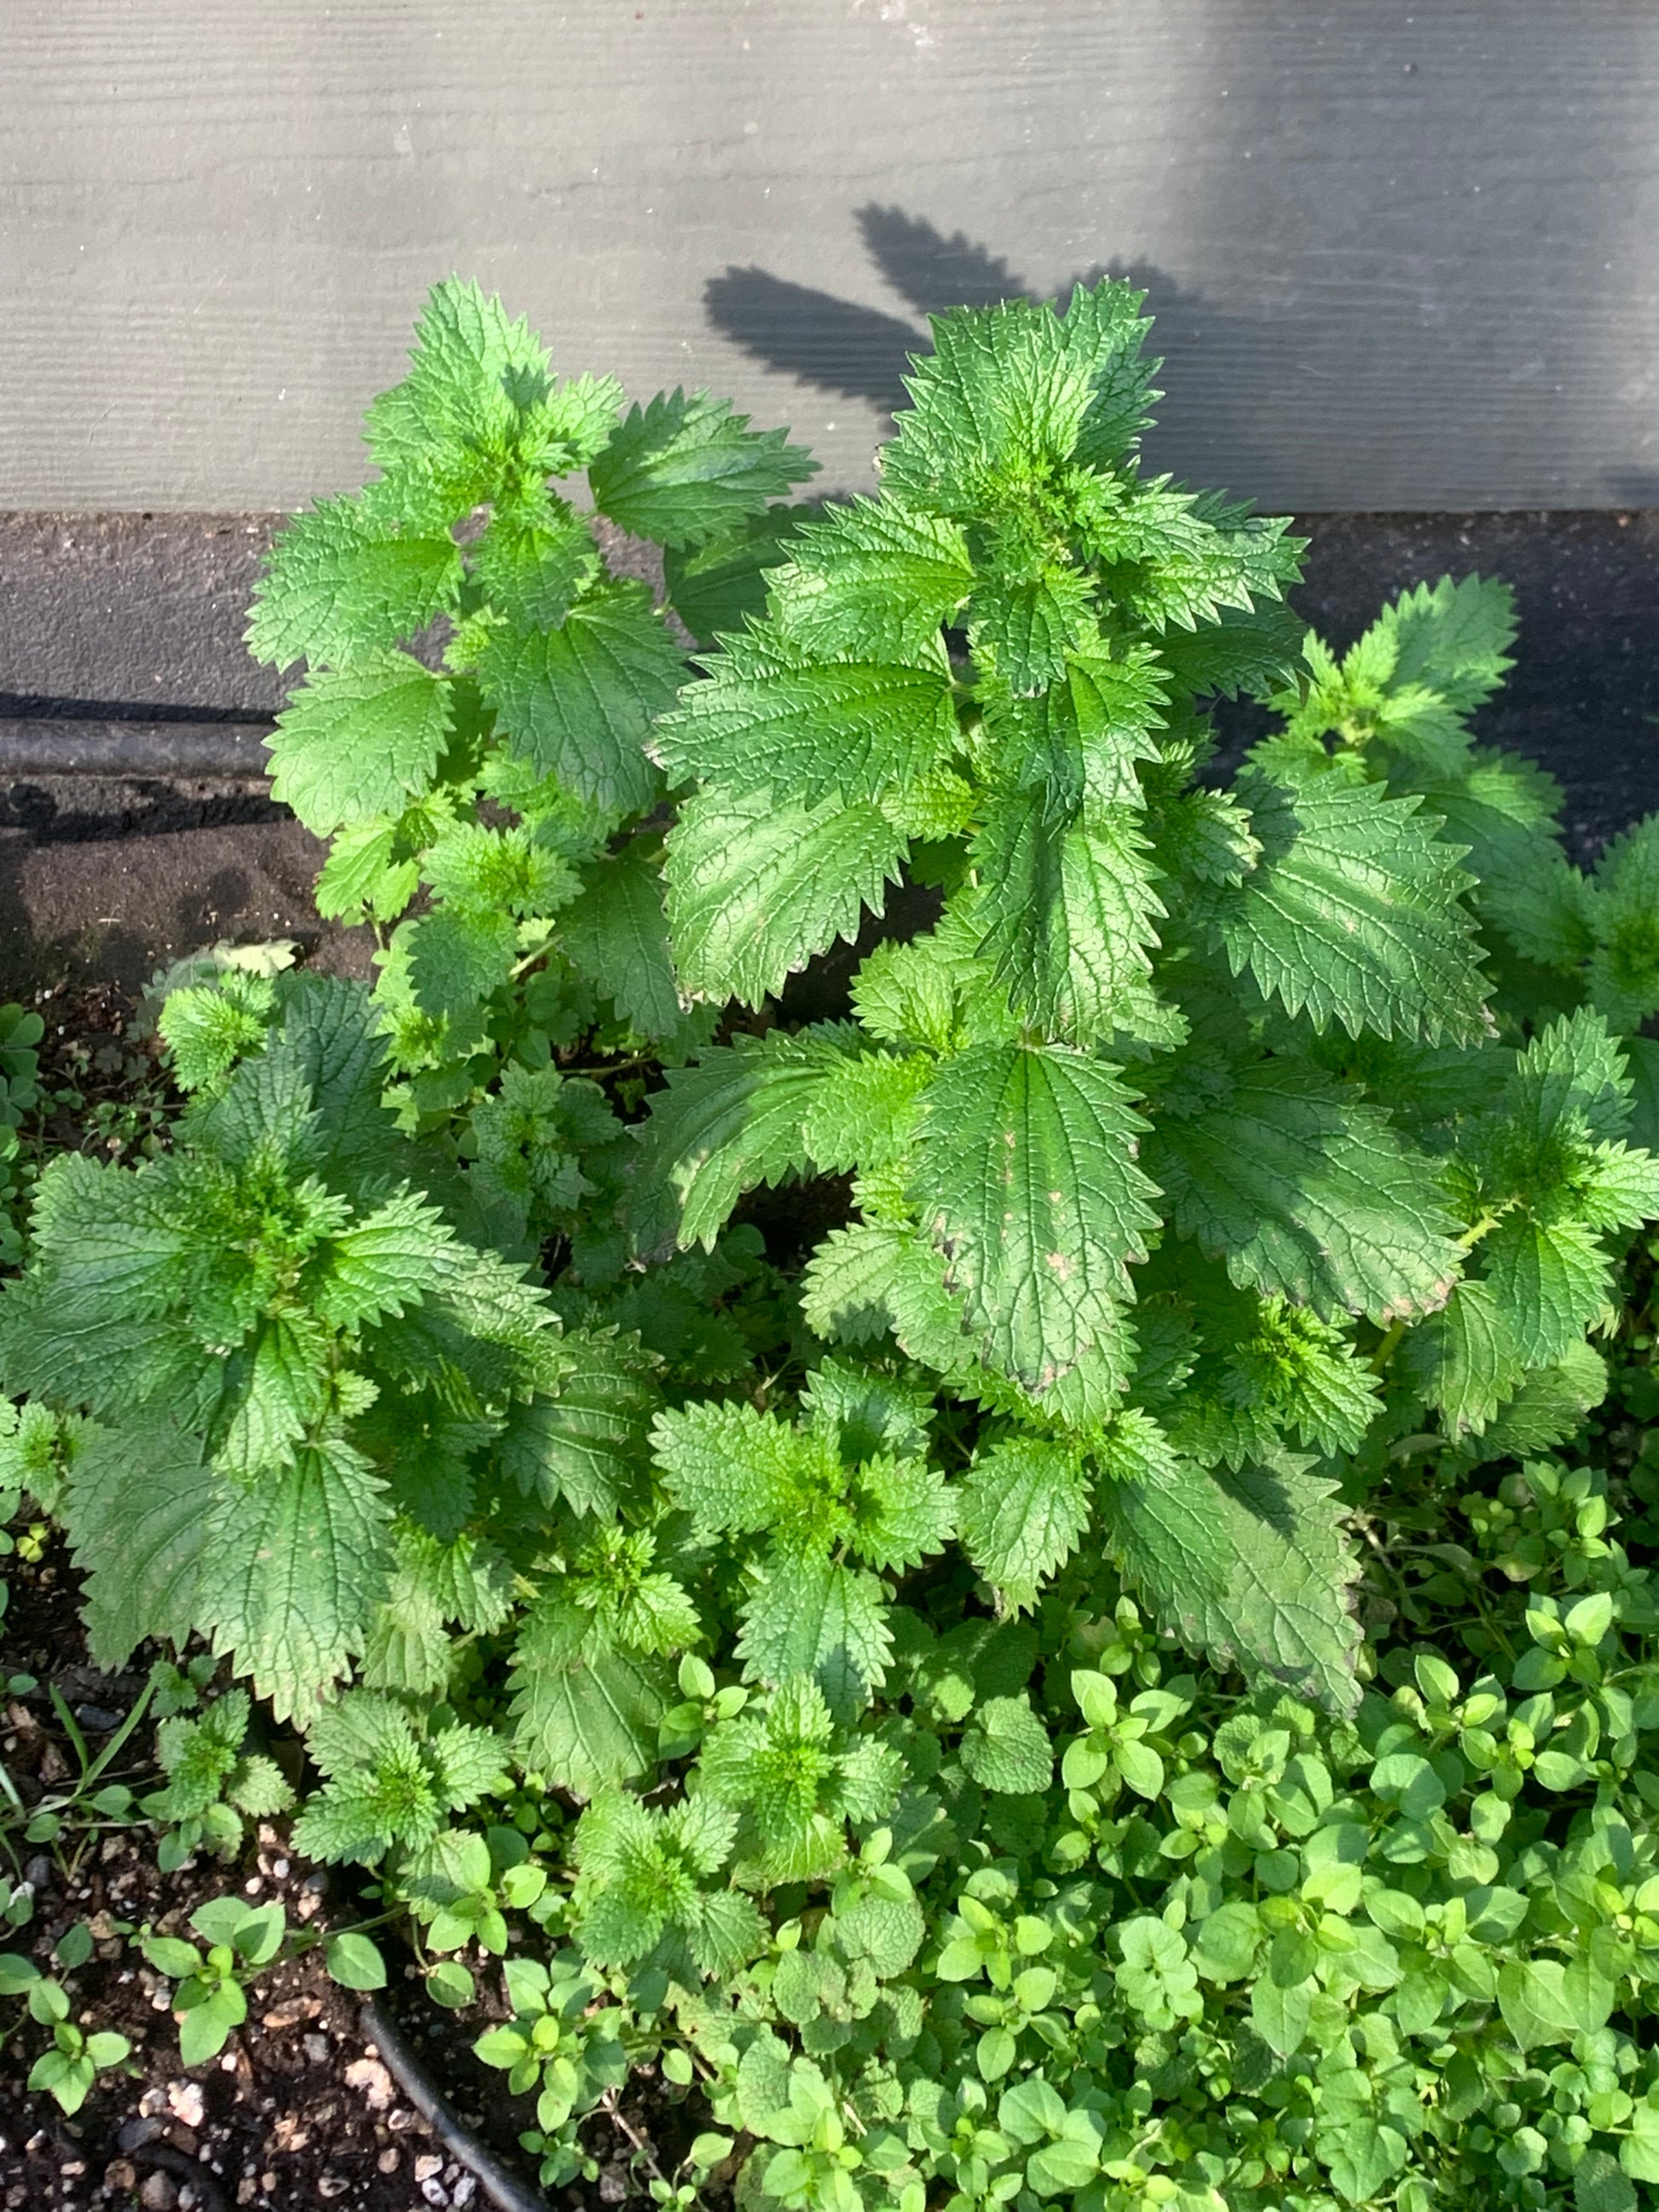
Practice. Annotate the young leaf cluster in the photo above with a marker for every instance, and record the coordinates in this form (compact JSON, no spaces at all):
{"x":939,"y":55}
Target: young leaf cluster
{"x":472,"y":732}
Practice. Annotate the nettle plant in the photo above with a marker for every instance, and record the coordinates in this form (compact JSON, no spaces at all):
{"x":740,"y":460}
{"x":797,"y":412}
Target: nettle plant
{"x":1227,"y":1162}
{"x":328,"y":1419}
{"x":1186,"y":1149}
{"x":470,"y":731}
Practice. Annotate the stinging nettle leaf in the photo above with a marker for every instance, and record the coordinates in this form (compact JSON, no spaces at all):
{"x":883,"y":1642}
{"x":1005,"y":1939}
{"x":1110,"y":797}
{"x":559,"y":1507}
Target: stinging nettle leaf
{"x":586,"y":1711}
{"x":344,"y":580}
{"x":1024,"y":1173}
{"x":358,"y":742}
{"x":870,"y":580}
{"x":737,"y":1120}
{"x":299,"y":1560}
{"x":1353,"y":914}
{"x":682,"y":469}
{"x":1253,"y":1567}
{"x":1309,"y":1194}
{"x":136,"y":1511}
{"x":578,"y":702}
{"x":1025,"y":1505}
{"x":855,"y":729}
{"x":722,"y":585}
{"x":758,"y":885}
{"x":615,"y":935}
{"x":450,"y":421}
{"x":1068,"y":912}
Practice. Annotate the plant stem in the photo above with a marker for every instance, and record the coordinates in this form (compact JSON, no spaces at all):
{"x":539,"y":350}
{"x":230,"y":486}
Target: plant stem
{"x":1385,"y":1351}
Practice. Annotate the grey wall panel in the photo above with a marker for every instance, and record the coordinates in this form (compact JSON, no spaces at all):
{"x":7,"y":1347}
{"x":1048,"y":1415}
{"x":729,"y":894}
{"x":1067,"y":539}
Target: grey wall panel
{"x":1405,"y":256}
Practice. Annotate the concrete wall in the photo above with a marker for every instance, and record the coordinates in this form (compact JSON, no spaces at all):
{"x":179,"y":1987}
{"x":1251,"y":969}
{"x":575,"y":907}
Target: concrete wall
{"x":1406,"y":256}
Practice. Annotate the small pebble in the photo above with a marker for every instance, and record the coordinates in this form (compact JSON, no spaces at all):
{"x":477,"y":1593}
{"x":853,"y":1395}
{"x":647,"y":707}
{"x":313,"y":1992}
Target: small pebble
{"x":372,"y":2078}
{"x":184,"y":2102}
{"x":120,"y":2174}
{"x":427,"y":2166}
{"x":464,"y":2190}
{"x":133,"y":2134}
{"x":435,"y":2192}
{"x":388,"y":2162}
{"x":97,"y":1718}
{"x":158,"y":2193}
{"x":316,"y":2049}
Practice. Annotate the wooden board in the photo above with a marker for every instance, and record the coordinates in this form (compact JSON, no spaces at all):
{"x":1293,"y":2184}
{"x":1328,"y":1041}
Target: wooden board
{"x":1404,"y":256}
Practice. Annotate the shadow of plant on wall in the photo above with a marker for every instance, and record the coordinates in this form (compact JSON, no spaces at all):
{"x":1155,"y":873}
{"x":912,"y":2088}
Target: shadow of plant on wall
{"x":858,"y":352}
{"x":861,"y":353}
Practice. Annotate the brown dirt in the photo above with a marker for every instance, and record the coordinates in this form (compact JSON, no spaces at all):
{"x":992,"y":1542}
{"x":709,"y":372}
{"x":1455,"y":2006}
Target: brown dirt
{"x":115,"y":908}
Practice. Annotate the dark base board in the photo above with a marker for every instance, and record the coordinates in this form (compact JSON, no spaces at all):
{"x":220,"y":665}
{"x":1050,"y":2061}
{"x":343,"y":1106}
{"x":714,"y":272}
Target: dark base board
{"x":137,"y":619}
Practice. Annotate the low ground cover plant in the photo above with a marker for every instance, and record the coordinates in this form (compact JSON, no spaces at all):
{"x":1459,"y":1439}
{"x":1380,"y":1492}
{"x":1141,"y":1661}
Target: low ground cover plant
{"x":1124,"y":1677}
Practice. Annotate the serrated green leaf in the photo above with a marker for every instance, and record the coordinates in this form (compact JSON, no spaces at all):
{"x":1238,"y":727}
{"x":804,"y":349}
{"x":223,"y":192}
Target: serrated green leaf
{"x":589,"y":1443}
{"x":137,"y":1507}
{"x":1007,"y":1748}
{"x":870,"y":580}
{"x":1026,"y":1176}
{"x":585,"y":1712}
{"x":1010,"y":387}
{"x":1309,"y":1195}
{"x":720,"y":586}
{"x":739,"y":1119}
{"x":682,"y":469}
{"x":758,"y":884}
{"x":1241,"y":653}
{"x":345,"y":580}
{"x":1253,"y":1567}
{"x":1453,"y":637}
{"x":578,"y":702}
{"x":287,"y":1390}
{"x":615,"y":935}
{"x":534,"y":561}
{"x":810,"y":1616}
{"x":1352,"y":913}
{"x":361,"y":741}
{"x":299,"y":1562}
{"x":1025,"y":1504}
{"x":386,"y":1262}
{"x":863,"y":1280}
{"x":1024,"y":624}
{"x":1080,"y":739}
{"x":1547,"y":1282}
{"x":1068,"y":912}
{"x":1463,"y":1358}
{"x":765,"y":719}
{"x":457,"y":957}
{"x":731,"y":1466}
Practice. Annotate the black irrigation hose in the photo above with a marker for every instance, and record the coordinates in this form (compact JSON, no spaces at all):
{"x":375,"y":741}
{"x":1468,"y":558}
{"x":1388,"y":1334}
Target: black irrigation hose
{"x":205,"y":2190}
{"x":502,"y":2188}
{"x":166,"y":749}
